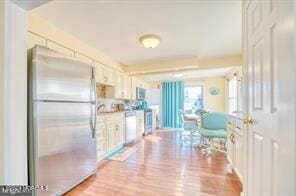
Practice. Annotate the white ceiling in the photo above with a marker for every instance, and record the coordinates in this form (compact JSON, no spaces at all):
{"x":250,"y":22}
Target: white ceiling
{"x":193,"y":74}
{"x":202,"y":28}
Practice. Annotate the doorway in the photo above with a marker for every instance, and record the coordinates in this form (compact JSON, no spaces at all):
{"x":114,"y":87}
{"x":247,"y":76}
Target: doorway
{"x":193,"y":98}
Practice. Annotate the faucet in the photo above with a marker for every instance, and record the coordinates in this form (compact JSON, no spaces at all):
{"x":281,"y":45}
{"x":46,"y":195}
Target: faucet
{"x":100,"y":106}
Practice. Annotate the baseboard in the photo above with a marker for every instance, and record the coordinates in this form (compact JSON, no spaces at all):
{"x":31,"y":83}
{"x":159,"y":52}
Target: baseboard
{"x":236,"y":172}
{"x":107,"y":154}
{"x":230,"y":161}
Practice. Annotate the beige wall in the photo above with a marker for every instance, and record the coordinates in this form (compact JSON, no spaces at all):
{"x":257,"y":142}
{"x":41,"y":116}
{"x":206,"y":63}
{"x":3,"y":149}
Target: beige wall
{"x":214,"y":103}
{"x":42,"y":28}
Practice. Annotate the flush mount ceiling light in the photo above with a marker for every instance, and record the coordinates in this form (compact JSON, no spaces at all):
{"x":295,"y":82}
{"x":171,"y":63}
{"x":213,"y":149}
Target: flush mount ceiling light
{"x":150,"y":40}
{"x":178,"y":75}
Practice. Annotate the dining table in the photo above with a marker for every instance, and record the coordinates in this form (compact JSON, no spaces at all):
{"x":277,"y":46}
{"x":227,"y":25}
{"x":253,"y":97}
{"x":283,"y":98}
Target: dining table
{"x":192,"y":117}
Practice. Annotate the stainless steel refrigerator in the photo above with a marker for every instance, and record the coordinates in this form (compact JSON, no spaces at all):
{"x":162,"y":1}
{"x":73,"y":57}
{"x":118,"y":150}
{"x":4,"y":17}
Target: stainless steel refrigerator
{"x":62,"y":119}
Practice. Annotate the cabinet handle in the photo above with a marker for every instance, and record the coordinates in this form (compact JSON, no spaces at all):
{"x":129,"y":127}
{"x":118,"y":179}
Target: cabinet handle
{"x":249,"y":121}
{"x":232,"y":139}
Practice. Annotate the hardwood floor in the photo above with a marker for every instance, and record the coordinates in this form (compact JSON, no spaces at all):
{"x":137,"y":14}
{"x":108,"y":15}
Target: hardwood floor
{"x":163,"y":167}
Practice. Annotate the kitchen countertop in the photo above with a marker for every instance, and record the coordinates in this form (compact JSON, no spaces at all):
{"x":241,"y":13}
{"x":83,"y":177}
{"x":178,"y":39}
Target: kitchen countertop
{"x":237,"y":116}
{"x":111,"y":112}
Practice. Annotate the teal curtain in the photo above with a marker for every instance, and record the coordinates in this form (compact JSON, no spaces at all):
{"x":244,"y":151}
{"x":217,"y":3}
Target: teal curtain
{"x":172,"y":102}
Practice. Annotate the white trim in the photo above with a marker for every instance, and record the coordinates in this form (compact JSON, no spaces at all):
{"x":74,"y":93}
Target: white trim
{"x":239,"y":175}
{"x":245,"y":95}
{"x":229,"y":160}
{"x":14,"y":94}
{"x":2,"y":47}
{"x":6,"y":97}
{"x":237,"y":172}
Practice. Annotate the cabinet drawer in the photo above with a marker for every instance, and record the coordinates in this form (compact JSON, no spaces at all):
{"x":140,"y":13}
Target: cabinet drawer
{"x":238,"y":130}
{"x":239,"y":124}
{"x":118,"y":117}
{"x":100,"y":133}
{"x":100,"y":126}
{"x":235,"y":125}
{"x":100,"y":119}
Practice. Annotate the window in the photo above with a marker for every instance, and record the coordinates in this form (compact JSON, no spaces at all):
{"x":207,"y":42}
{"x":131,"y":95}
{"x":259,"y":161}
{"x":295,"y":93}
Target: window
{"x":193,"y":98}
{"x":232,"y":95}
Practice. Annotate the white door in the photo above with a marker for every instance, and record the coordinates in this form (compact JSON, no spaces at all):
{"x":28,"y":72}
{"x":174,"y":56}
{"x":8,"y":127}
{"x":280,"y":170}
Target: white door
{"x":269,"y":35}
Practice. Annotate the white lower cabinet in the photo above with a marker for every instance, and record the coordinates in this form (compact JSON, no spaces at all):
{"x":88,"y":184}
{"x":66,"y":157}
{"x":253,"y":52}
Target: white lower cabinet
{"x":101,"y":137}
{"x":110,"y":133}
{"x":140,"y":124}
{"x":235,"y":145}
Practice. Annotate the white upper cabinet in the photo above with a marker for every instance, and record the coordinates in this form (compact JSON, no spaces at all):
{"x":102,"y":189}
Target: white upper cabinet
{"x":108,"y":75}
{"x":136,"y":83}
{"x":122,"y":86}
{"x":99,"y":73}
{"x":104,"y":75}
{"x":140,"y":83}
{"x":129,"y":87}
{"x":83,"y":58}
{"x":133,"y":88}
{"x":56,"y":47}
{"x":125,"y":87}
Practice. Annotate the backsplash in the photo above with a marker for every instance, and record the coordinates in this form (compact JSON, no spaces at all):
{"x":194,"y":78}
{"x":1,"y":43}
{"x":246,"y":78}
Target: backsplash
{"x":102,"y":99}
{"x":107,"y":101}
{"x":101,"y":91}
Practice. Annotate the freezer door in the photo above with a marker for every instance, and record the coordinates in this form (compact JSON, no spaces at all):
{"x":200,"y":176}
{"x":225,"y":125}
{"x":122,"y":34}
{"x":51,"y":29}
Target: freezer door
{"x":59,"y":78}
{"x":65,"y":146}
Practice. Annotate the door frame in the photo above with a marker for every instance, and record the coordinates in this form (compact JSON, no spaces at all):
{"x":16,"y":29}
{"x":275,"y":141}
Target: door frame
{"x":245,"y":92}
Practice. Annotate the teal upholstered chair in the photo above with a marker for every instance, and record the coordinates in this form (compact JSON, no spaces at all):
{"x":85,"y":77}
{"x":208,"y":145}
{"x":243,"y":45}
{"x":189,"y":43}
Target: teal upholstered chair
{"x":213,"y":127}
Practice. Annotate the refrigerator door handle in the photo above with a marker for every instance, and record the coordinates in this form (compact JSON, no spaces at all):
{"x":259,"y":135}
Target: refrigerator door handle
{"x":93,"y":120}
{"x":94,"y":105}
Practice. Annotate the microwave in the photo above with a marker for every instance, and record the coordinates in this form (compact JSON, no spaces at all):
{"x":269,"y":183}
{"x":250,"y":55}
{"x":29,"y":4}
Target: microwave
{"x":141,"y":93}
